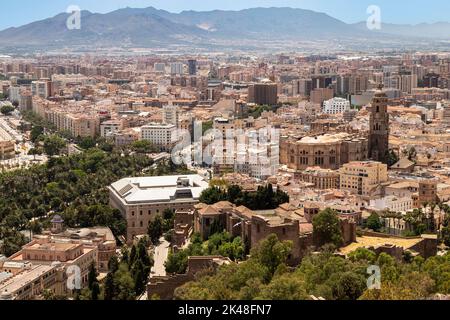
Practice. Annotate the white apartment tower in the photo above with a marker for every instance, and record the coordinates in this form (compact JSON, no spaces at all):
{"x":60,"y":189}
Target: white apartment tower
{"x":171,"y":115}
{"x":336,"y":106}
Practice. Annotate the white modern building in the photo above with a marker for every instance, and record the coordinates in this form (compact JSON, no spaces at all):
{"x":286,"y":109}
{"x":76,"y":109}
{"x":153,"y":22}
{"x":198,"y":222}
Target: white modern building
{"x":171,"y":115}
{"x":141,"y":199}
{"x":392,"y":203}
{"x":14,"y":94}
{"x":110,"y":128}
{"x":176,"y":68}
{"x":336,"y":106}
{"x":161,"y":135}
{"x":40,"y":89}
{"x":261,"y":162}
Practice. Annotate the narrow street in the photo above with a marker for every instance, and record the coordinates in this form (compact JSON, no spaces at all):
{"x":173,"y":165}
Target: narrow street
{"x":160,"y":257}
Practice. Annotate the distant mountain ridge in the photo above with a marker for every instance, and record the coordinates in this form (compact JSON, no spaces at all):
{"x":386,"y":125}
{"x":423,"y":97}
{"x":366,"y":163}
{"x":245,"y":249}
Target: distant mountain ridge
{"x":151,"y":27}
{"x":438,"y":30}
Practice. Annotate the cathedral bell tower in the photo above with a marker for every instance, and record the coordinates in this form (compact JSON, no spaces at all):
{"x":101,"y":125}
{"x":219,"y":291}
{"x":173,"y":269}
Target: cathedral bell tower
{"x":379,"y":127}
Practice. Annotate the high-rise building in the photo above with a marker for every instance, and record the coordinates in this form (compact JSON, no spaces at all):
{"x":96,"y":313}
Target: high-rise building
{"x":176,"y":68}
{"x":379,"y":127}
{"x":431,"y":80}
{"x":192,"y":64}
{"x":320,"y":95}
{"x":321,"y":81}
{"x":41,"y":88}
{"x":263,"y":93}
{"x":170,"y":115}
{"x":159,"y":67}
{"x":336,"y":106}
{"x":302,"y":87}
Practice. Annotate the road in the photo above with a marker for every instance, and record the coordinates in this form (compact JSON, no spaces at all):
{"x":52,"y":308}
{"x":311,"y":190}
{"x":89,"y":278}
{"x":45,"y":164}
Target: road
{"x":160,"y":257}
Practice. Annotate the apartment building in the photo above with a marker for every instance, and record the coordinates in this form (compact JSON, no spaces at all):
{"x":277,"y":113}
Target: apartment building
{"x":263,"y":93}
{"x":171,"y":115}
{"x":7,"y":145}
{"x":336,"y":106}
{"x":110,"y":128}
{"x":41,"y":89}
{"x":363,"y":178}
{"x":161,"y":135}
{"x":320,"y":178}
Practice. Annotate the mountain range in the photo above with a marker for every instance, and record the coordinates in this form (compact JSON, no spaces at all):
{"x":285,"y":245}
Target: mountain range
{"x":149,"y":27}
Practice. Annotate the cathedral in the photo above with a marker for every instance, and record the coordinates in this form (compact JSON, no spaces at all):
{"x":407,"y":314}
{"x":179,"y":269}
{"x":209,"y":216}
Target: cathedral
{"x":379,"y":128}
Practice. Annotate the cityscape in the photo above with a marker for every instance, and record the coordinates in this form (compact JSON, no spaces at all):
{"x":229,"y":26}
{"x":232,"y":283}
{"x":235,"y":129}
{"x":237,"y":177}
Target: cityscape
{"x":251,"y":154}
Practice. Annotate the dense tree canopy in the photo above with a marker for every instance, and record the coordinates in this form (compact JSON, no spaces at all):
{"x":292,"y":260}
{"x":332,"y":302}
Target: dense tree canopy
{"x":263,"y":199}
{"x":74,"y":187}
{"x":6,"y":109}
{"x":320,"y":274}
{"x":218,"y":244}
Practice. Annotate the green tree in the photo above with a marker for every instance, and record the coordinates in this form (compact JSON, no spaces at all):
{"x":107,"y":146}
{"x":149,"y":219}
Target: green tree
{"x":124,"y":283}
{"x":177,"y":262}
{"x":139,"y":277}
{"x":7,"y":110}
{"x":143,"y":146}
{"x":212,"y":195}
{"x":109,"y":288}
{"x":349,"y":286}
{"x":92,"y":276}
{"x":206,"y":126}
{"x":392,"y":158}
{"x":95,"y":291}
{"x":285,"y":287}
{"x":373,"y":222}
{"x":445,"y":236}
{"x":362,"y":254}
{"x":35,"y":152}
{"x":270,"y":252}
{"x":155,"y":229}
{"x":87,"y":143}
{"x":53,"y":145}
{"x":327,"y":229}
{"x":36,"y":132}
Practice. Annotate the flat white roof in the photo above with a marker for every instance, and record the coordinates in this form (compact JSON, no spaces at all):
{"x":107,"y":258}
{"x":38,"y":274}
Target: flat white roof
{"x":159,"y":189}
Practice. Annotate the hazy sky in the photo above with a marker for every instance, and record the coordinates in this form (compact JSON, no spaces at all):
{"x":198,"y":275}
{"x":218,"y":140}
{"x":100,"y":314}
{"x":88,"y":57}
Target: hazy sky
{"x":19,"y":12}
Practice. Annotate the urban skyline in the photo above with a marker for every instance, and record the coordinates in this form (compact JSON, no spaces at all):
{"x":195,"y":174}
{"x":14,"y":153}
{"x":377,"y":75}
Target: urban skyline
{"x":260,"y":155}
